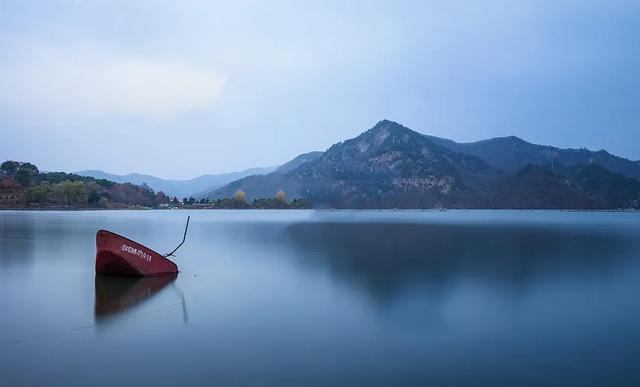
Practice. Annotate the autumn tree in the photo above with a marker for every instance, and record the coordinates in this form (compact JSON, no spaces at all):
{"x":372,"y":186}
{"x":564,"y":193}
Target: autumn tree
{"x":240,"y":196}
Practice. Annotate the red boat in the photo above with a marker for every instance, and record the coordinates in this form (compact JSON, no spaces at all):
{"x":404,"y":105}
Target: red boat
{"x":117,"y":255}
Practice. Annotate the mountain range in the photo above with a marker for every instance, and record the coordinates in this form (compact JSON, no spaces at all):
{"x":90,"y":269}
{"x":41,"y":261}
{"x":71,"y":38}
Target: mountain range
{"x":391,"y":166}
{"x":180,"y":188}
{"x":201,"y":186}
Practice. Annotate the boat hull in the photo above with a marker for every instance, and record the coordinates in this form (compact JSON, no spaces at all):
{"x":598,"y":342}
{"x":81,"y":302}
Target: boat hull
{"x":117,"y":255}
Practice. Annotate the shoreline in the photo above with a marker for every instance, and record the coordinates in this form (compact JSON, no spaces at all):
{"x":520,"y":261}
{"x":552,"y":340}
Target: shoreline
{"x":321,"y":209}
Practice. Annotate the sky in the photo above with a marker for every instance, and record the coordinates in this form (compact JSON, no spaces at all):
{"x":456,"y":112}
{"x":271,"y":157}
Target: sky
{"x":183,"y":88}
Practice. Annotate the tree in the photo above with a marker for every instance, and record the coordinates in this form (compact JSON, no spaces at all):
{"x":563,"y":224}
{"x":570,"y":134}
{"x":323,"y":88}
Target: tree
{"x":29,"y":167}
{"x":240,"y":196}
{"x":162,"y":198}
{"x":38,"y":194}
{"x":26,"y":174}
{"x":10,"y":167}
{"x":94,"y":193}
{"x":175,"y":200}
{"x":282,"y":198}
{"x":69,"y":193}
{"x":192,"y":200}
{"x":103,"y":203}
{"x":75,"y":193}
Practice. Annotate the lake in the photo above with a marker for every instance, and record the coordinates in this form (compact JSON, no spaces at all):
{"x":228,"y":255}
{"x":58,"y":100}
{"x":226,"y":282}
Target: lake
{"x":325,"y":298}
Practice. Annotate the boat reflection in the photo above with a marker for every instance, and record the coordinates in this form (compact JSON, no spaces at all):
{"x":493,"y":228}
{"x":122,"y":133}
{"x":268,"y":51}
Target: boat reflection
{"x":115,"y":295}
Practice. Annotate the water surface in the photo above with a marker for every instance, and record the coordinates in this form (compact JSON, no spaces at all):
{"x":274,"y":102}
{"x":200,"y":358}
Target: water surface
{"x":496,"y":298}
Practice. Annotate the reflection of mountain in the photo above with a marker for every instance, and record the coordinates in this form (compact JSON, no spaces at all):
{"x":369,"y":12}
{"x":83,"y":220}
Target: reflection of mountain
{"x":384,"y":258}
{"x":115,"y":295}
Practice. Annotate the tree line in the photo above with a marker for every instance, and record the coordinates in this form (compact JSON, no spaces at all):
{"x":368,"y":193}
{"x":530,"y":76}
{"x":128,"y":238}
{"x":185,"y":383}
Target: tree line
{"x":239,"y":201}
{"x":23,"y":185}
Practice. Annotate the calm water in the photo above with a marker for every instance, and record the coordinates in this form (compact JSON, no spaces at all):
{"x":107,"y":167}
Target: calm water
{"x":325,"y":298}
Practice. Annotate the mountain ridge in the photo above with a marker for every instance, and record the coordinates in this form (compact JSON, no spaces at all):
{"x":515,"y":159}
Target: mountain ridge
{"x":391,"y":166}
{"x":512,"y":152}
{"x":177,"y":187}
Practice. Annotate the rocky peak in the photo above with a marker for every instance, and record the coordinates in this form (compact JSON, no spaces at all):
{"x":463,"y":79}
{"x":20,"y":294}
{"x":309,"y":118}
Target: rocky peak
{"x":384,"y":131}
{"x":386,"y":127}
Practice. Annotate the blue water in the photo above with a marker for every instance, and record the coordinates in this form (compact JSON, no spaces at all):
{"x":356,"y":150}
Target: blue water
{"x":305,"y":298}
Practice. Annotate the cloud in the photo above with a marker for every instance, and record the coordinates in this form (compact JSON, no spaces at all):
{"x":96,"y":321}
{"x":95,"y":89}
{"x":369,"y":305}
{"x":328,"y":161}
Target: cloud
{"x":53,"y":84}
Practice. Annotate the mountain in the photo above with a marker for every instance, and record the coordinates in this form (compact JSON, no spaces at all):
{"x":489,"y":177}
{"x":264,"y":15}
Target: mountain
{"x":391,"y":166}
{"x":200,"y":186}
{"x":511,"y":153}
{"x":284,"y":168}
{"x":386,"y":166}
{"x":179,"y":188}
{"x":582,"y":186}
{"x":299,"y":160}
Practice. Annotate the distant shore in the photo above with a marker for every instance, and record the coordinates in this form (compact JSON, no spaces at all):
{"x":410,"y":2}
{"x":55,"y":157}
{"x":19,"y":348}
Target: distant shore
{"x":321,"y":209}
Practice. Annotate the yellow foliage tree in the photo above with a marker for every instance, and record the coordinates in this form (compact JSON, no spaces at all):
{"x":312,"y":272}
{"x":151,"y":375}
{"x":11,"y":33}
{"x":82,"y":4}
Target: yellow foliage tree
{"x":240,"y":196}
{"x":281,"y":196}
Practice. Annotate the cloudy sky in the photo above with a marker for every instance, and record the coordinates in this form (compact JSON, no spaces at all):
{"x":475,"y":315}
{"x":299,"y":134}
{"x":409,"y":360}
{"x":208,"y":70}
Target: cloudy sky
{"x":183,"y":88}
